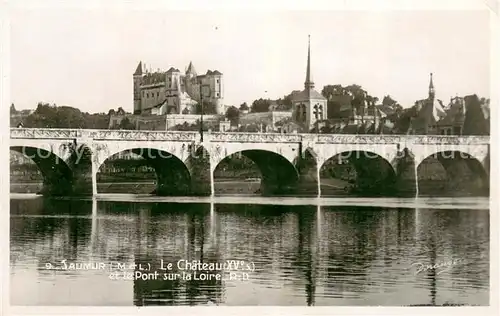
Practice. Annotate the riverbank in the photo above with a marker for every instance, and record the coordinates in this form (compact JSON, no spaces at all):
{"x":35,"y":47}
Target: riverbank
{"x":231,"y":186}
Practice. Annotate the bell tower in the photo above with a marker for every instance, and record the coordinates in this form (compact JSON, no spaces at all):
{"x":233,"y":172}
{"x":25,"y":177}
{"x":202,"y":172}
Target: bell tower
{"x":309,"y":106}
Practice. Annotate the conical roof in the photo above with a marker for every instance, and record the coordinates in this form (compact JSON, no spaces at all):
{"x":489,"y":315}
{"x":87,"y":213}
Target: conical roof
{"x":190,"y":69}
{"x":138,"y":70}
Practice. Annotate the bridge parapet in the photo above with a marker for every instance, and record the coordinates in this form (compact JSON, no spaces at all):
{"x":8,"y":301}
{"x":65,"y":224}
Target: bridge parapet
{"x":56,"y":133}
{"x":140,"y":135}
{"x":401,"y":139}
{"x":254,"y":137}
{"x":45,"y":133}
{"x":53,"y":133}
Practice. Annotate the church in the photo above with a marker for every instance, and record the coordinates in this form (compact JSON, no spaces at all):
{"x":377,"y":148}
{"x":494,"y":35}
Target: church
{"x":309,"y":106}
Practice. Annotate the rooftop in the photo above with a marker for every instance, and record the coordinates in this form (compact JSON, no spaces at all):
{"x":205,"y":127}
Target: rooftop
{"x":308,"y":94}
{"x":153,"y":77}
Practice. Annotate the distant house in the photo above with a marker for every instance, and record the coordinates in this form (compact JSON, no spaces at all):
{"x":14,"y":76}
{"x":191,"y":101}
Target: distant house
{"x":453,"y":121}
{"x":268,"y":120}
{"x":224,"y":126}
{"x":159,"y":109}
{"x":288,"y":126}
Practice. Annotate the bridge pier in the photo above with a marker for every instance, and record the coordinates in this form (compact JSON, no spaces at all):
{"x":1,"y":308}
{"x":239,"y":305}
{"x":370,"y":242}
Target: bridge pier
{"x":212,"y":184}
{"x":318,"y":180}
{"x":94,"y":177}
{"x":309,"y":180}
{"x":198,"y":164}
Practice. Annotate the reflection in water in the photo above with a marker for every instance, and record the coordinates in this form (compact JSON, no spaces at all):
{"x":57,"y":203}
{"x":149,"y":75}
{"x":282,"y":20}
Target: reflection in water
{"x":303,"y":255}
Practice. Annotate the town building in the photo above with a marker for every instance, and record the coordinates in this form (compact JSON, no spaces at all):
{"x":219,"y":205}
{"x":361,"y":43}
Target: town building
{"x":264,"y":121}
{"x":453,"y":121}
{"x":152,"y":122}
{"x":173,"y":92}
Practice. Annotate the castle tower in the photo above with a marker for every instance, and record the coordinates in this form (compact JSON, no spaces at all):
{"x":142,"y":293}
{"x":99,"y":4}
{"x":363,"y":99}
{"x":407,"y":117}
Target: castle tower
{"x":137,"y":78}
{"x":309,"y":106}
{"x":217,"y":91}
{"x":190,"y":81}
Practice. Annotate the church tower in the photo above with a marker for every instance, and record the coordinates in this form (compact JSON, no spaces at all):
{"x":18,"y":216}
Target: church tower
{"x":309,"y":106}
{"x":432,"y":93}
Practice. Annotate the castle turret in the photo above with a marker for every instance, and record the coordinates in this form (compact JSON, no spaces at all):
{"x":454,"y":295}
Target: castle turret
{"x":190,"y":71}
{"x":137,"y":78}
{"x":216,"y":84}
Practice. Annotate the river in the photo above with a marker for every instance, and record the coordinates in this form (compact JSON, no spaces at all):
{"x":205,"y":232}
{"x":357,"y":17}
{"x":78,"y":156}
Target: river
{"x":281,"y":251}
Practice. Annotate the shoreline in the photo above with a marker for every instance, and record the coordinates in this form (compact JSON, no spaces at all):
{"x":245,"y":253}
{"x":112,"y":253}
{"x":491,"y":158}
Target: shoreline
{"x":330,"y":187}
{"x":416,"y":203}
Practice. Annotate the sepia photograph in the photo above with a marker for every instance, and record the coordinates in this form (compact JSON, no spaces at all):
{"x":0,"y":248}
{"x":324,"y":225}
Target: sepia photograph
{"x":326,"y":158}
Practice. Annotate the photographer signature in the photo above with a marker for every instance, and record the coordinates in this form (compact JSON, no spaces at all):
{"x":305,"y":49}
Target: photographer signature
{"x":439,"y":267}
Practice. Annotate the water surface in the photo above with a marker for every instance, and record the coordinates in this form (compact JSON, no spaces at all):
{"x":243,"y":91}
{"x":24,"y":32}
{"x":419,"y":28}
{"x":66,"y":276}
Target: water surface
{"x":331,"y":254}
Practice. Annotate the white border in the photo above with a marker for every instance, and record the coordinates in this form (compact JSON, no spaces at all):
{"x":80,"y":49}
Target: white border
{"x":492,"y":5}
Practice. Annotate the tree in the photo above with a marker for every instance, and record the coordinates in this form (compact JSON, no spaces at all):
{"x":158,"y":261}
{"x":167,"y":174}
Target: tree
{"x":111,"y":112}
{"x":233,"y":114}
{"x":96,"y":121}
{"x":332,"y":90}
{"x":51,"y":116}
{"x":250,"y":128}
{"x":69,"y":117}
{"x":208,"y":108}
{"x":244,"y":107}
{"x":475,"y":122}
{"x":388,"y":101}
{"x":260,"y":105}
{"x":126,"y":124}
{"x":120,"y":111}
{"x":402,"y":120}
{"x":285,"y":103}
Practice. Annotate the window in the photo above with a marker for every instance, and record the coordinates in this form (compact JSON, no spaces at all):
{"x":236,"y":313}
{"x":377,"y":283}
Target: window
{"x":217,"y":94}
{"x":157,"y":94}
{"x":147,"y":95}
{"x":143,"y":94}
{"x":217,"y":80}
{"x":318,"y":112}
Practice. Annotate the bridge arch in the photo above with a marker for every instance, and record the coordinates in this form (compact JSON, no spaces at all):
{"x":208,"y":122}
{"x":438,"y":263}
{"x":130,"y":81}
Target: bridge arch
{"x":172,"y":175}
{"x":57,"y":174}
{"x":360,"y":171}
{"x":279,"y":175}
{"x":454,"y":172}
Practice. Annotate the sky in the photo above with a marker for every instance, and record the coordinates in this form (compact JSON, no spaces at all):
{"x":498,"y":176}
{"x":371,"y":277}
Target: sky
{"x":86,"y":58}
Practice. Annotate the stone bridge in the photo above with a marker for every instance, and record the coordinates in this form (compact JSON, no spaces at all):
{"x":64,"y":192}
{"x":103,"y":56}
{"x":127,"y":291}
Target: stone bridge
{"x":69,"y":159}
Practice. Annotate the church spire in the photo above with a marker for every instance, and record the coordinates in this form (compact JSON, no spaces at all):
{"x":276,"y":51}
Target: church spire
{"x":308,"y":84}
{"x":431,"y":88}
